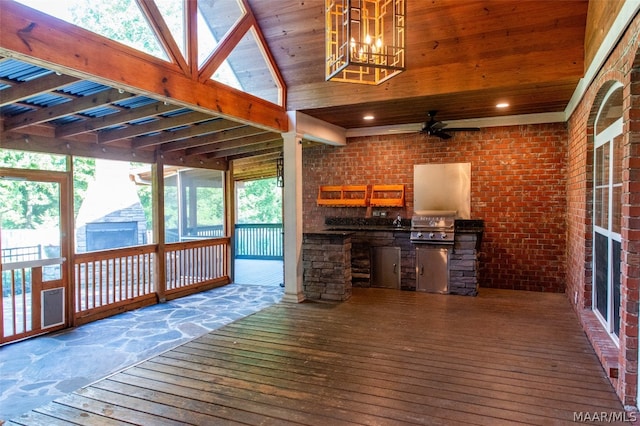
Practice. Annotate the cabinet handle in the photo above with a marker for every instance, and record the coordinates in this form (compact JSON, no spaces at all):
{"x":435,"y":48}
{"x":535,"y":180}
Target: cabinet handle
{"x":421,"y":269}
{"x":394,"y":268}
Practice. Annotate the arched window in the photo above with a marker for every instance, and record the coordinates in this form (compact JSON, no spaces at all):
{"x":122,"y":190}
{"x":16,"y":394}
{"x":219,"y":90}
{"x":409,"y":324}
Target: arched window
{"x":607,"y":211}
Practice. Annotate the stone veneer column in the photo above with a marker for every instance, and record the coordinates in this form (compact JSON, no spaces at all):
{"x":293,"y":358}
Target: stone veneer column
{"x":326,"y":260}
{"x":463,"y":265}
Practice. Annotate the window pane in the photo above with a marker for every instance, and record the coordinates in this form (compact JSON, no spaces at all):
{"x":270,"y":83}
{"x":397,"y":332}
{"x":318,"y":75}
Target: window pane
{"x":616,"y":209}
{"x":251,"y":70}
{"x":205,"y":202}
{"x":119,"y":20}
{"x":617,"y":159}
{"x":601,"y":165}
{"x":615,"y":277}
{"x":173,"y":14}
{"x":601,"y":271}
{"x":113,"y":204}
{"x":215,"y":19}
{"x":15,"y":159}
{"x":611,"y":111}
{"x":601,"y":207}
{"x":194,"y":204}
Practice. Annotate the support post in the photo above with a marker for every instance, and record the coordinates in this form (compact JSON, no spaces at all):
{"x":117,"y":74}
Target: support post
{"x":157,"y":176}
{"x":292,"y":218}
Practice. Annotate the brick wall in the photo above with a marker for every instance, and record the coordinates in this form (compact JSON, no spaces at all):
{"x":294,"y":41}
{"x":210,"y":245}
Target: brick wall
{"x":517,"y":188}
{"x":623,"y":65}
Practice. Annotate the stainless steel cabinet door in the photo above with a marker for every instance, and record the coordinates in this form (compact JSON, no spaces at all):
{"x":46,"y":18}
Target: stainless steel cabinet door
{"x":385,"y":267}
{"x":432,"y":269}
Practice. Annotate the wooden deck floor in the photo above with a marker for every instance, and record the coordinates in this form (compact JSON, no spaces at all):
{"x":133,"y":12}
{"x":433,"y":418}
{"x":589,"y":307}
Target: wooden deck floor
{"x":384,"y":357}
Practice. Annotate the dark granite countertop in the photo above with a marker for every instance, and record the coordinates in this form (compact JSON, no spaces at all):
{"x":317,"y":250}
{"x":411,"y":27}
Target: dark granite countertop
{"x":385,"y":224}
{"x":381,"y":228}
{"x":327,"y":232}
{"x":366,"y":224}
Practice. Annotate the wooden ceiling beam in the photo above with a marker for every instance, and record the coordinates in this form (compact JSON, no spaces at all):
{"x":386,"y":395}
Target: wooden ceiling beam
{"x":258,"y":175}
{"x":158,"y":125}
{"x":268,"y":158}
{"x":52,"y":145}
{"x":198,"y":161}
{"x":126,"y":115}
{"x":247,"y":150}
{"x":209,"y":127}
{"x":41,"y":39}
{"x":229,"y":140}
{"x":262,"y":172}
{"x":65,"y":109}
{"x":259,"y":158}
{"x":199,"y":141}
{"x":277,"y":149}
{"x":28,"y":89}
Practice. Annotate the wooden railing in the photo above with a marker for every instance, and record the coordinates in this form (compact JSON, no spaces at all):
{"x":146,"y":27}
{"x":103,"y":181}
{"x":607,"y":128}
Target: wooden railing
{"x":16,"y":303}
{"x":113,"y":277}
{"x":196,"y":263}
{"x":259,"y":241}
{"x":22,"y":286}
{"x":214,"y":231}
{"x":112,"y":281}
{"x":252,"y":240}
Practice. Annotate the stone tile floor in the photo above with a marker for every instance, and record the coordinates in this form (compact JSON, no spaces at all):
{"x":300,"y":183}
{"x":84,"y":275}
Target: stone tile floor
{"x":36,"y":371}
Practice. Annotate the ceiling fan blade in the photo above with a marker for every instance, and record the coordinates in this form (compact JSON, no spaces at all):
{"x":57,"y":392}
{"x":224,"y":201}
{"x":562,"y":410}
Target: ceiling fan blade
{"x":439,"y":129}
{"x":443,"y":135}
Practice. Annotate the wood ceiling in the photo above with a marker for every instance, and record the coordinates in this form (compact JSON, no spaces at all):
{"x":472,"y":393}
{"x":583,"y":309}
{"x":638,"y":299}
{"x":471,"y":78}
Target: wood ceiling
{"x":463,"y":56}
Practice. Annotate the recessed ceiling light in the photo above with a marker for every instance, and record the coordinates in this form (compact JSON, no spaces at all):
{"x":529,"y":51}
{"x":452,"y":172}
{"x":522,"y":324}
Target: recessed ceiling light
{"x":368,"y":117}
{"x":502,"y":105}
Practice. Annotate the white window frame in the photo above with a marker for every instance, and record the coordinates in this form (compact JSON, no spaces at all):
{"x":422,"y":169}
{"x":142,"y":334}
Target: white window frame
{"x":602,"y":137}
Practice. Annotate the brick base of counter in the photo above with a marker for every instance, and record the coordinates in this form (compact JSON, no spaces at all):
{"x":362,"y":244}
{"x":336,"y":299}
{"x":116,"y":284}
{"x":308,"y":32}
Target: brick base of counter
{"x":326,"y":260}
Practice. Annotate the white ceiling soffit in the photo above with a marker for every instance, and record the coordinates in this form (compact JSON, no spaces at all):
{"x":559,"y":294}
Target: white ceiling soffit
{"x":509,"y":120}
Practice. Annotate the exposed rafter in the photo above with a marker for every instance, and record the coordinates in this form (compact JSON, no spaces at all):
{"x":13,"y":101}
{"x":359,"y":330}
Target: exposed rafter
{"x":75,"y":101}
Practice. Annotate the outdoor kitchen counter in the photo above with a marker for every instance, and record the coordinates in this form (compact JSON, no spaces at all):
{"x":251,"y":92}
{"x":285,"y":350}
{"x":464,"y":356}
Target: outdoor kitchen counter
{"x":326,"y":263}
{"x":338,"y":256}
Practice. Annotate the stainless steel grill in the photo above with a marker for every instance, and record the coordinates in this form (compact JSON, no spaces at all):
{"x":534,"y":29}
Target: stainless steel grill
{"x":433,"y":227}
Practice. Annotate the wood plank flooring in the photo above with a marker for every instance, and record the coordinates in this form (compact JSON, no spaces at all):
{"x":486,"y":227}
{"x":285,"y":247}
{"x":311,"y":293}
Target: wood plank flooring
{"x":385,"y":357}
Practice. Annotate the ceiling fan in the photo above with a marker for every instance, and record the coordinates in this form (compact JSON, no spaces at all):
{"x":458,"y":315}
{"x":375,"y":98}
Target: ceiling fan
{"x":437,"y":128}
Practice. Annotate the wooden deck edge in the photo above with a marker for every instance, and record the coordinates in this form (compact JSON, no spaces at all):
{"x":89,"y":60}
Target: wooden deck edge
{"x":95,"y":314}
{"x":197,"y":288}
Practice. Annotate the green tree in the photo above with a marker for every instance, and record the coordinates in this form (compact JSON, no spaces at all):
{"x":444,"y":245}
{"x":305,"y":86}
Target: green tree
{"x":84,"y":170}
{"x":119,"y":20}
{"x":29,"y":205}
{"x":260,"y":201}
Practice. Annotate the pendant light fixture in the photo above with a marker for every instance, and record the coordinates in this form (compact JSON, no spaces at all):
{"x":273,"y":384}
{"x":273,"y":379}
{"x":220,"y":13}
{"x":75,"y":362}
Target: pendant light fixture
{"x":365,"y":40}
